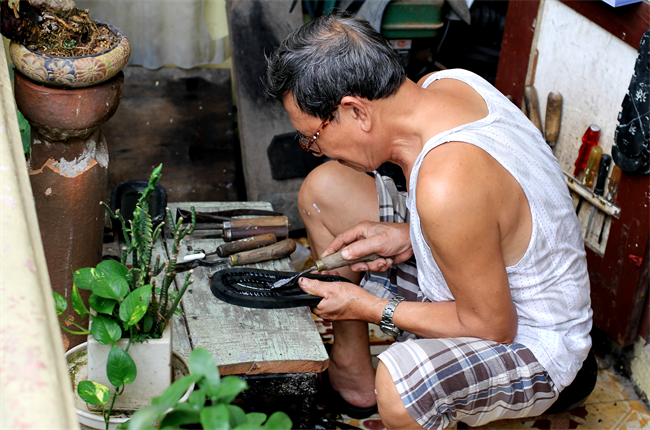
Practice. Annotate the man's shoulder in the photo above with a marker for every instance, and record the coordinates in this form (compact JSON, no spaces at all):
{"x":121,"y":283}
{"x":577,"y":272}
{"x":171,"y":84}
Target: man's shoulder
{"x":455,"y":176}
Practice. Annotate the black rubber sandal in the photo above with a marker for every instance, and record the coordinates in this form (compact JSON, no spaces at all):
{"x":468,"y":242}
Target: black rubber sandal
{"x":251,"y":288}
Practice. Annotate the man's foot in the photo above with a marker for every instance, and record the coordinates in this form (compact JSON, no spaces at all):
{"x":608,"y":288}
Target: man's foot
{"x":356,"y":386}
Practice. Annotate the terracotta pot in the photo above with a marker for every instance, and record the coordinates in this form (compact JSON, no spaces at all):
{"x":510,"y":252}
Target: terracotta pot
{"x":72,"y":72}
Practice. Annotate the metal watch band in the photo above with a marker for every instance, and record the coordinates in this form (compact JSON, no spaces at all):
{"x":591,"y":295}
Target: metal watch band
{"x":386,"y":324}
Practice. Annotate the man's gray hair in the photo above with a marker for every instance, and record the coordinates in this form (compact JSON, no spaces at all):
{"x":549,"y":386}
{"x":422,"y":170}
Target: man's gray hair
{"x":329,"y":58}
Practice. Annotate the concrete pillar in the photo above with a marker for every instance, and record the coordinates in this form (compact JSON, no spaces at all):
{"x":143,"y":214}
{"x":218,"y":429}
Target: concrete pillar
{"x":68,"y":174}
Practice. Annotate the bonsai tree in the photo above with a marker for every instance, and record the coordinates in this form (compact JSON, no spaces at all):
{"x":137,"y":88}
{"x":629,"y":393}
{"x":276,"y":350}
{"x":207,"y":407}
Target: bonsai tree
{"x":125,"y":300}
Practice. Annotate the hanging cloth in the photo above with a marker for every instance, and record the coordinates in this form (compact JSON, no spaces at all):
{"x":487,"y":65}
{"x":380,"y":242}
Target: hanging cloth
{"x":161,"y":32}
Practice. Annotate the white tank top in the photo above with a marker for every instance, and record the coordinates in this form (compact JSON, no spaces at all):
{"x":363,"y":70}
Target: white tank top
{"x":549,"y":285}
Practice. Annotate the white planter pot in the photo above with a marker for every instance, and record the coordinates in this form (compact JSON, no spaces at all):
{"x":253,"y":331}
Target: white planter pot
{"x":77,"y":359}
{"x":153,"y":360}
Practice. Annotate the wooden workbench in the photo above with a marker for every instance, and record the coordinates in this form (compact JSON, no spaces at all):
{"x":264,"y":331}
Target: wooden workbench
{"x":243,"y":341}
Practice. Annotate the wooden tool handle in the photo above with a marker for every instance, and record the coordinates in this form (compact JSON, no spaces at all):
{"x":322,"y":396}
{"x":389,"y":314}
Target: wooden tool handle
{"x":280,"y":232}
{"x":246,"y":244}
{"x":553,"y":117}
{"x":271,"y":252}
{"x":335,"y":261}
{"x":532,"y":106}
{"x":270,"y":221}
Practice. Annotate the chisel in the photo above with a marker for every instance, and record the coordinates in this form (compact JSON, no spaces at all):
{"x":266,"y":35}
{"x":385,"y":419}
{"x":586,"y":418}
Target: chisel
{"x":240,"y":245}
{"x":330,"y":262}
{"x":241,"y":228}
{"x":612,"y":193}
{"x":270,"y":252}
{"x":599,"y":190}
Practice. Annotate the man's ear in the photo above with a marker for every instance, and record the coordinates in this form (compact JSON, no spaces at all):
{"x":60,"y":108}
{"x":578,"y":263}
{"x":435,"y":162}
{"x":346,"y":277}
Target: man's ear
{"x":359,"y":109}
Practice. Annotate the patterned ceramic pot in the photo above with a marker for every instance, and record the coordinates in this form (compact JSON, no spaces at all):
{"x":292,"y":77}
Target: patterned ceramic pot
{"x":72,"y":72}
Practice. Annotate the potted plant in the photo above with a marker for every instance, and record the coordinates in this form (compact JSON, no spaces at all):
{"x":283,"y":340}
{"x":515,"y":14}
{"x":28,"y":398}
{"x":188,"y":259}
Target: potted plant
{"x":130,"y":332}
{"x":61,"y":46}
{"x":67,"y":83}
{"x":208,"y":407}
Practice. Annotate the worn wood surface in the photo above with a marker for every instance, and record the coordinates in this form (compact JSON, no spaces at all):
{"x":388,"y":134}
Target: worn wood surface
{"x":243,"y":340}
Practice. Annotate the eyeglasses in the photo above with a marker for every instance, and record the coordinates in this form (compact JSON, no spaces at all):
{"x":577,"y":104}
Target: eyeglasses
{"x":309,"y":144}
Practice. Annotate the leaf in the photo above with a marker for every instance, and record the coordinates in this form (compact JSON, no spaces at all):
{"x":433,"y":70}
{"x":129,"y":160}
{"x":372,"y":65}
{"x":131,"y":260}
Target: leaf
{"x":83,"y":278}
{"x":77,"y":302}
{"x":112,"y":268}
{"x":120,"y":367}
{"x":197,"y":399}
{"x":105,"y":330}
{"x":182,"y":414}
{"x":278,"y":421}
{"x":59,"y":303}
{"x":230,"y":387}
{"x":135,"y":305}
{"x":215,"y":418}
{"x":255,"y":419}
{"x":237,"y":416}
{"x":93,"y":393}
{"x":202,"y":363}
{"x":142,"y":418}
{"x":101,"y":305}
{"x":25,"y":131}
{"x":175,"y":391}
{"x":111,"y":287}
{"x":147,"y":323}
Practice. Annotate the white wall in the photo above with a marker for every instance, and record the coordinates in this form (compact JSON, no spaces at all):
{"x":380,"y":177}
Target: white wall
{"x":592,"y":69}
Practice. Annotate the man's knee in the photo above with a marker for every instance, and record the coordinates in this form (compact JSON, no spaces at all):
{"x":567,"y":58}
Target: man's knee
{"x":391,"y":408}
{"x":334,"y":188}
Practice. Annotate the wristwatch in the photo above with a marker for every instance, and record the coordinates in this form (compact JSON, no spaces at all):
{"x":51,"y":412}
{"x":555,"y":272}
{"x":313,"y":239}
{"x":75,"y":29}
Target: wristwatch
{"x":386,"y":324}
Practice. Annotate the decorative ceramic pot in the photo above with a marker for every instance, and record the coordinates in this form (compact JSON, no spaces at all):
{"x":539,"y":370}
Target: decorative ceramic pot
{"x":77,"y":359}
{"x":72,"y":72}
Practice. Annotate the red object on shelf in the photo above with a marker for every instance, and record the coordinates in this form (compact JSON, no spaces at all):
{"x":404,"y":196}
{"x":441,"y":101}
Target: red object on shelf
{"x":589,"y":140}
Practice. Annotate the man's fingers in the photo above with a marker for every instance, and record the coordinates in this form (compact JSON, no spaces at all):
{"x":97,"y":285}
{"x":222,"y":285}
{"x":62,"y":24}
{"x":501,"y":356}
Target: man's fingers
{"x":312,"y":286}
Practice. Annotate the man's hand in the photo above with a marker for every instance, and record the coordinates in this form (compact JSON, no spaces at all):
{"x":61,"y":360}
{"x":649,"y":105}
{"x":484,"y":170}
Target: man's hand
{"x":344,"y":301}
{"x":386,"y":239}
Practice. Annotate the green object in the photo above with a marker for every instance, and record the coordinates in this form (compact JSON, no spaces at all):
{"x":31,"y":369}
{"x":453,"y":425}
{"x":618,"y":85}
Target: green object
{"x":409,"y":19}
{"x":123,"y":296}
{"x":166,"y":412}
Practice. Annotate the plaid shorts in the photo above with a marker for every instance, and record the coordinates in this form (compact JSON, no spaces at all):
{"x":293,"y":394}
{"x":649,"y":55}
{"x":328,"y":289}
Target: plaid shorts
{"x":444,"y":381}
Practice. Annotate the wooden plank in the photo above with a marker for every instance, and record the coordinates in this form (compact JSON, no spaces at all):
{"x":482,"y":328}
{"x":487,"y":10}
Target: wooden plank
{"x":515,"y":48}
{"x":244,"y":340}
{"x":256,"y":30}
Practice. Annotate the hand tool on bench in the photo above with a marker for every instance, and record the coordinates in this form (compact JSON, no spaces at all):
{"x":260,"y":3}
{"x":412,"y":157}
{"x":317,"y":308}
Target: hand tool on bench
{"x":330,"y":262}
{"x":240,"y":245}
{"x":270,"y":252}
{"x":240,"y":228}
{"x":599,"y":190}
{"x":553,"y":118}
{"x":224,"y":215}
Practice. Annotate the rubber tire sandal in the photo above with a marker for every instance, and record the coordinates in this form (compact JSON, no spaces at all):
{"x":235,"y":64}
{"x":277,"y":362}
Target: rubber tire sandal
{"x":251,"y":288}
{"x":339,"y":404}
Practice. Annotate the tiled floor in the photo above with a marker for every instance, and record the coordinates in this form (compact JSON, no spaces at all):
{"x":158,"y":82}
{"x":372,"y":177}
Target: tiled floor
{"x":612,"y":405}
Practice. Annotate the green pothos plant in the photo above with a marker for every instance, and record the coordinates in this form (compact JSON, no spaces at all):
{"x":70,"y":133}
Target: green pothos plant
{"x":124,"y":298}
{"x":208,"y":407}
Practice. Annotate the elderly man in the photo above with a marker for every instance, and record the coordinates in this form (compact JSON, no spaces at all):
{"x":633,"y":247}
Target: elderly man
{"x":494,"y":310}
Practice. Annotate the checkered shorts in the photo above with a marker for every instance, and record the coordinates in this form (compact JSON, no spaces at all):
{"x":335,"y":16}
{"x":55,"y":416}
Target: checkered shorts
{"x":444,"y":381}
